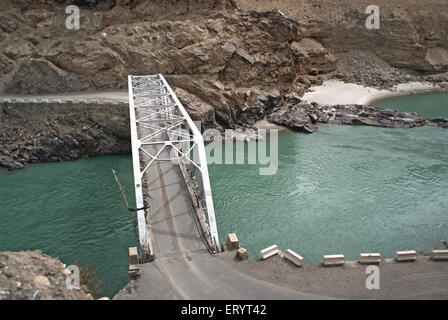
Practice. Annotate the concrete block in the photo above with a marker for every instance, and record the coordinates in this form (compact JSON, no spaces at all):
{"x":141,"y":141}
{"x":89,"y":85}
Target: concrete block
{"x":370,"y":258}
{"x":409,"y":255}
{"x":242,"y":254}
{"x":294,"y":257}
{"x":133,"y":255}
{"x":439,"y":254}
{"x":6,"y":100}
{"x":20,"y":101}
{"x":333,"y":260}
{"x":232,"y":242}
{"x":133,"y":271}
{"x":269,"y":252}
{"x":56,"y":101}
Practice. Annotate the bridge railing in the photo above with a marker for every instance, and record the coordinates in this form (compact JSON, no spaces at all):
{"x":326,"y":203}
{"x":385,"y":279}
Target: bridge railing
{"x":164,"y":131}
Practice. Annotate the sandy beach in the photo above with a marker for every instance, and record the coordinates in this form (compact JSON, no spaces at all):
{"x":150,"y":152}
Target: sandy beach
{"x":333,"y":92}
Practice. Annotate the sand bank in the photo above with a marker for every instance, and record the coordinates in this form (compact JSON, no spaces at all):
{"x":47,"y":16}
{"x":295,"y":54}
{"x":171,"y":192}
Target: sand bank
{"x":335,"y":92}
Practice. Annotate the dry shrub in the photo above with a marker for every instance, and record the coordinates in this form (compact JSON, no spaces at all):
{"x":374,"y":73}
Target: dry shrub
{"x":88,"y":275}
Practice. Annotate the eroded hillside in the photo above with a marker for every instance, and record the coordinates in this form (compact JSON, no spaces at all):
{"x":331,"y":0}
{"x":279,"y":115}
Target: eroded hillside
{"x":232,"y":62}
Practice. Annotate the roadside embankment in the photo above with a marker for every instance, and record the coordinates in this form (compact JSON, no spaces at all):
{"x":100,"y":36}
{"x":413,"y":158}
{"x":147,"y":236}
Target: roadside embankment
{"x":421,"y":279}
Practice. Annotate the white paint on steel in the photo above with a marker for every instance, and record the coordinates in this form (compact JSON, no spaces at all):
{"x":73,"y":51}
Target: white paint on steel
{"x":135,"y":145}
{"x":161,"y":113}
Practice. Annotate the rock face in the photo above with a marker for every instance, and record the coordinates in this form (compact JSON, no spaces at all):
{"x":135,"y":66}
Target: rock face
{"x":412,"y":33}
{"x":40,"y":132}
{"x":197,"y":108}
{"x":220,"y":56}
{"x":31,"y":275}
{"x":321,"y":60}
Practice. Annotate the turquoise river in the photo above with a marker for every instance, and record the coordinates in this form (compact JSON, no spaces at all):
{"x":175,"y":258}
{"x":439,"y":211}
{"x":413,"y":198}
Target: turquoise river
{"x":344,"y":189}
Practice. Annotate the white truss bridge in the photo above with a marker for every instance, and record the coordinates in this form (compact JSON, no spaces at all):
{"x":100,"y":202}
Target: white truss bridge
{"x":170,"y":165}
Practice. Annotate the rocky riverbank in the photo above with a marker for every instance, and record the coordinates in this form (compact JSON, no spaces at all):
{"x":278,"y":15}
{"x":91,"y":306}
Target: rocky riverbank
{"x":31,"y":275}
{"x":54,"y":132}
{"x":306,"y":117}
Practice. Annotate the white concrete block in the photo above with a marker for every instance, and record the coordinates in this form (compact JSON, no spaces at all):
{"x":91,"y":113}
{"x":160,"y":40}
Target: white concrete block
{"x":7,"y":100}
{"x":20,"y":101}
{"x":269,"y":252}
{"x":408,"y":255}
{"x":439,"y":255}
{"x":370,"y":258}
{"x":232,"y":242}
{"x":294,"y":257}
{"x":133,"y":256}
{"x":242,"y":254}
{"x":334,"y":260}
{"x":133,"y":271}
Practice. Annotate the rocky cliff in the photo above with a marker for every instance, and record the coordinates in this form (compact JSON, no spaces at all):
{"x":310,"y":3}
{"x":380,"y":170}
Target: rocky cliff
{"x":233,"y":62}
{"x":412,"y":35}
{"x":228,"y":58}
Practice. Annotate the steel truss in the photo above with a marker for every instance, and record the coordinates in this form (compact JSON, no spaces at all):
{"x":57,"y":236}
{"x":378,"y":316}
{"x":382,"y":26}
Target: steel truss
{"x":162,"y":130}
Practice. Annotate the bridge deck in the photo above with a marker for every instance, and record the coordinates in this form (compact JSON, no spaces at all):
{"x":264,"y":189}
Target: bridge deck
{"x":171,"y":222}
{"x":183,"y":268}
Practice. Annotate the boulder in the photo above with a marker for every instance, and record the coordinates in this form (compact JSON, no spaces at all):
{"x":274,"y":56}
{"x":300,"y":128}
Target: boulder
{"x":10,"y":163}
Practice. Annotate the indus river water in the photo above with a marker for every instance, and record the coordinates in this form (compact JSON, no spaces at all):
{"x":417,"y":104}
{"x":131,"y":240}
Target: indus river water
{"x":343,"y":189}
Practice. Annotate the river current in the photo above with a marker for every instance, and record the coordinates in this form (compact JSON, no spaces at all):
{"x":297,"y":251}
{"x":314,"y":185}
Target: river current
{"x":343,"y":189}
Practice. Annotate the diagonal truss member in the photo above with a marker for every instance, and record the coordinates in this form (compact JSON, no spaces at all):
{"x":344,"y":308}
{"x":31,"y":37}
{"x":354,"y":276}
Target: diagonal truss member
{"x":162,"y":130}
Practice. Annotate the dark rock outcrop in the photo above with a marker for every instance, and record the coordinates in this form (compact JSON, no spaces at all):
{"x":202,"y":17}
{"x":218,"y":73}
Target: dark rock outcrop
{"x":304,"y":117}
{"x":31,"y":133}
{"x":10,"y":163}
